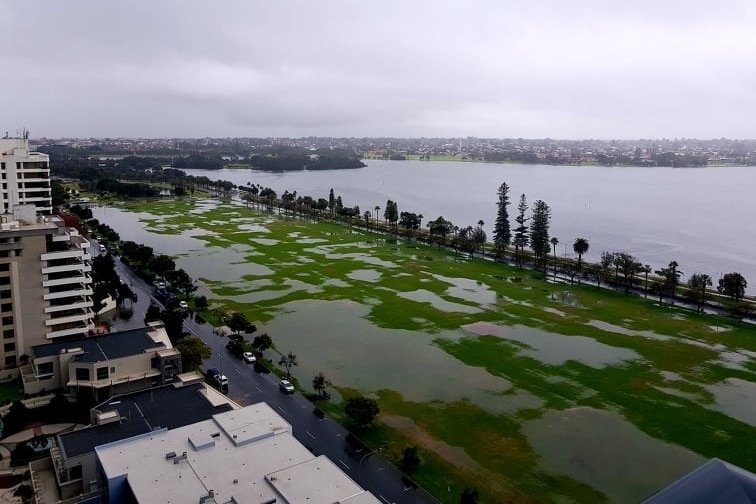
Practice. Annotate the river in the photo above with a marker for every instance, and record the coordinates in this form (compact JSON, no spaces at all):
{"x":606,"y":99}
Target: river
{"x":700,"y":217}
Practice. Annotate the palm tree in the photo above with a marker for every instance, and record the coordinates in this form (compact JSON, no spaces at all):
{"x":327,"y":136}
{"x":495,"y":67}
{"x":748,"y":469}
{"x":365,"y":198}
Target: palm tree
{"x":580,"y":246}
{"x":645,"y":269}
{"x":419,"y":225}
{"x":376,"y":216}
{"x":554,"y":242}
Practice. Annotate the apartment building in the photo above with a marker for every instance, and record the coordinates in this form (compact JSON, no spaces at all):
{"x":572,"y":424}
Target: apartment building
{"x":25,"y":176}
{"x":45,"y":282}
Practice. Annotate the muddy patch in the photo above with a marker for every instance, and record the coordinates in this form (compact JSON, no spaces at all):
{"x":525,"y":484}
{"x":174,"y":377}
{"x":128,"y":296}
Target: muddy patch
{"x":452,"y":454}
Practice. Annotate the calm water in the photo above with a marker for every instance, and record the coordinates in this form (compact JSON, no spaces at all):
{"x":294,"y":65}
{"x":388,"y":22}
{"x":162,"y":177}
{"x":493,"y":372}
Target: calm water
{"x":699,"y":217}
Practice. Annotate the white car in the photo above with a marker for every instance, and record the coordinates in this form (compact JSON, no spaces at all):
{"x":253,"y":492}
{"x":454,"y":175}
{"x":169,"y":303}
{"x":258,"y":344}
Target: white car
{"x":286,"y":386}
{"x":249,"y":357}
{"x":183,"y":305}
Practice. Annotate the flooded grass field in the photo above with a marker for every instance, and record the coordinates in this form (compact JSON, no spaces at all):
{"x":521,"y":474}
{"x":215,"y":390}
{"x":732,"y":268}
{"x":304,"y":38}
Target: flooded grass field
{"x":525,"y":389}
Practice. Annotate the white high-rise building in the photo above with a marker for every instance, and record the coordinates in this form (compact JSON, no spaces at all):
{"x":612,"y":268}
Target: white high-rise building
{"x":45,"y":267}
{"x":25,"y":176}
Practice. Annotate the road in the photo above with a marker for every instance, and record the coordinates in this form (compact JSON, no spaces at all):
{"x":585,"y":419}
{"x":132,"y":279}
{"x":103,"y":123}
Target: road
{"x":322,"y":436}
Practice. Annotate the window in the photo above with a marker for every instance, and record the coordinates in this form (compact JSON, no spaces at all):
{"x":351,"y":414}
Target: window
{"x":82,"y":373}
{"x":9,"y":347}
{"x":102,"y":373}
{"x":6,"y":294}
{"x":5,"y":267}
{"x":7,"y":320}
{"x":112,"y":370}
{"x":6,"y":307}
{"x":44,"y":370}
{"x":10,"y":360}
{"x":9,"y":334}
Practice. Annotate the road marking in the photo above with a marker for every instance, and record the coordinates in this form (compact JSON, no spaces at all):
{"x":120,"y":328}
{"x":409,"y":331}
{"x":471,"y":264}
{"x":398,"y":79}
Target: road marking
{"x":238,"y":372}
{"x":308,"y":433}
{"x":342,"y":463}
{"x":282,"y":410}
{"x":384,"y":499}
{"x":258,"y":388}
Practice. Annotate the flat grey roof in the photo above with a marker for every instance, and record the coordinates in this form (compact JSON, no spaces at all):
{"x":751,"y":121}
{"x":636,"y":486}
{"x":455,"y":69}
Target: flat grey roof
{"x":103,"y":348}
{"x":141,"y":412}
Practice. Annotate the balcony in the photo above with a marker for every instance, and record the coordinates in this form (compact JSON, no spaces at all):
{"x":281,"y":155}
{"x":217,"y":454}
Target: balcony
{"x":80,"y":280}
{"x":65,"y":294}
{"x":69,"y":320}
{"x":64,"y":254}
{"x":69,"y":307}
{"x":73,"y":331}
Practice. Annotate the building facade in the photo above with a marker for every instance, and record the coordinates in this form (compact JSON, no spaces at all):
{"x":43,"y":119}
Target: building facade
{"x":45,"y":267}
{"x":25,"y":176}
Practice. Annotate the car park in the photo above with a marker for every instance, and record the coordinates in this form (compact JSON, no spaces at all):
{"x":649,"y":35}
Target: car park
{"x":286,"y":386}
{"x":249,"y":357}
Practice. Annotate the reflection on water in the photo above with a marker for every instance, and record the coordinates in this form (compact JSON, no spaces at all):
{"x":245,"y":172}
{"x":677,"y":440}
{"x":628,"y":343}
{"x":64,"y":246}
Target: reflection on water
{"x":602,"y":448}
{"x":556,"y":349}
{"x":371,"y":358}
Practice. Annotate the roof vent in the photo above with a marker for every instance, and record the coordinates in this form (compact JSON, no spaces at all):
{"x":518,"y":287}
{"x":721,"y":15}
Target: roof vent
{"x":170,"y":455}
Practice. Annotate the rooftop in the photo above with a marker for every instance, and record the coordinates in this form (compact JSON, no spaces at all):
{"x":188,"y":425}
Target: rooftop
{"x":142,"y":412}
{"x":107,"y":347}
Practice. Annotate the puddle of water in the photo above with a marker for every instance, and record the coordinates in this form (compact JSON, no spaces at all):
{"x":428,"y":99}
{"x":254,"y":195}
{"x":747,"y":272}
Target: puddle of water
{"x":564,"y":297}
{"x":609,"y":453}
{"x":468,"y":290}
{"x":736,"y":359}
{"x":371,"y":358}
{"x":679,"y":393}
{"x":425,"y":296}
{"x":556,"y":349}
{"x":335,"y":282}
{"x":328,"y":252}
{"x":266,"y":295}
{"x":554,"y":311}
{"x":252,"y":228}
{"x":365,"y":275}
{"x":736,"y":398}
{"x":606,"y":326}
{"x":265,"y":241}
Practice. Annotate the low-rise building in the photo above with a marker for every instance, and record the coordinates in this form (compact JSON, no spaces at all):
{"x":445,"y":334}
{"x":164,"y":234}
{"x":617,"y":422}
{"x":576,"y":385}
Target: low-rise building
{"x":98,"y":367}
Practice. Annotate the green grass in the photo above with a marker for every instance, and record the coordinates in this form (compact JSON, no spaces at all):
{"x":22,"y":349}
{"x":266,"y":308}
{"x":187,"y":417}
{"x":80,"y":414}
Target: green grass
{"x":509,"y":467}
{"x":10,"y":392}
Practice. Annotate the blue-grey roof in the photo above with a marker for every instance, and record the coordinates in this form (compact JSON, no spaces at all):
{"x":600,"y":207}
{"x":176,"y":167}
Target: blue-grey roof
{"x":103,"y":348}
{"x":141,"y":412}
{"x":715,"y":482}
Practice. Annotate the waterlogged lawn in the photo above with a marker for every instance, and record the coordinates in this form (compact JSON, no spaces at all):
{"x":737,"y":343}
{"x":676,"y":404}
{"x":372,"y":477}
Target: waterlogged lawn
{"x":525,"y":389}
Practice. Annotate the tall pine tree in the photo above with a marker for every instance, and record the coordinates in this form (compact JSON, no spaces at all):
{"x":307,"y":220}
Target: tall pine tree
{"x":539,"y":230}
{"x":502,"y":232}
{"x":521,"y":231}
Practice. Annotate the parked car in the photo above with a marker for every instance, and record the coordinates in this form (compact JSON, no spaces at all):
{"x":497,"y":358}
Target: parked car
{"x":183,"y":305}
{"x":211,"y":372}
{"x":249,"y":357}
{"x":286,"y":386}
{"x":221,"y":380}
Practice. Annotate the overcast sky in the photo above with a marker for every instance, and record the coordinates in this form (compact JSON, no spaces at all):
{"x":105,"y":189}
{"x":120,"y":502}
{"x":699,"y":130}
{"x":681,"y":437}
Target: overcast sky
{"x":519,"y":68}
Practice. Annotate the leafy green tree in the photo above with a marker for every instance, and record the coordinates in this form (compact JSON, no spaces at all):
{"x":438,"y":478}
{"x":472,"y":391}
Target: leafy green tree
{"x":479,"y":237}
{"x":239,"y":323}
{"x":182,"y":282}
{"x":319,"y":383}
{"x":696,"y":293}
{"x":153,"y":313}
{"x":288,"y":361}
{"x":193,"y":352}
{"x":439,"y":229}
{"x":580,"y":246}
{"x":733,"y":285}
{"x":173,"y":319}
{"x":410,"y":459}
{"x":331,"y":201}
{"x":161,"y":264}
{"x":521,"y":237}
{"x":262,"y":342}
{"x":361,"y":411}
{"x":200,"y":302}
{"x":502,"y":231}
{"x":539,"y":230}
